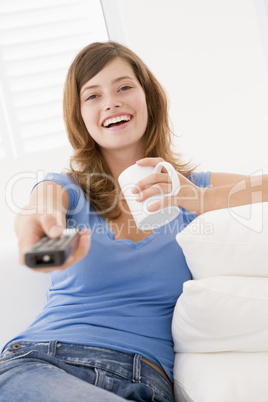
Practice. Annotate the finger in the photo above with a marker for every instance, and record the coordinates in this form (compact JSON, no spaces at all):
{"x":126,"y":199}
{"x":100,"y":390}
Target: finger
{"x":26,"y":243}
{"x":77,"y":254}
{"x":166,"y":202}
{"x":51,"y":226}
{"x":30,"y":233}
{"x":155,"y":178}
{"x":149,"y":161}
{"x":79,"y":251}
{"x":36,"y":228}
{"x":45,"y":270}
{"x":159,"y":189}
{"x":83,"y":245}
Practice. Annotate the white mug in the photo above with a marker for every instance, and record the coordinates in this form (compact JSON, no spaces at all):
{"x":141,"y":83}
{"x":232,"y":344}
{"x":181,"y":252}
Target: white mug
{"x":147,"y":220}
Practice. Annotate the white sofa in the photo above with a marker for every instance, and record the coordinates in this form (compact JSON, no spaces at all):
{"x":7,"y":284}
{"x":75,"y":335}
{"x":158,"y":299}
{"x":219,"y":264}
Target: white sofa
{"x":220,"y":322}
{"x":22,"y":293}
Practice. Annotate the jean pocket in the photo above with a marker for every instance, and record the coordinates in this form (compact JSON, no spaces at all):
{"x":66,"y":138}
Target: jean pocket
{"x":14,"y":351}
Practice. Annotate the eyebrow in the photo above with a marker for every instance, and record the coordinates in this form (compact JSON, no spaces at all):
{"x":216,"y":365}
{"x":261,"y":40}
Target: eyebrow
{"x":113,"y":82}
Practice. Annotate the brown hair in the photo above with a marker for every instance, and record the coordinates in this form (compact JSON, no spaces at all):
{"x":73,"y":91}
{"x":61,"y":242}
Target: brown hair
{"x":87,"y":164}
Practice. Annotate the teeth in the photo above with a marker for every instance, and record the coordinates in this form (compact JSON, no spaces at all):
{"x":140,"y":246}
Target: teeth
{"x":116,"y":120}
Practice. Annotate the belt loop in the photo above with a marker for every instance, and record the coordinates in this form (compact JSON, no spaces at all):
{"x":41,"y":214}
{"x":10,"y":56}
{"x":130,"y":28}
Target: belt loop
{"x":52,"y":347}
{"x":136,"y":374}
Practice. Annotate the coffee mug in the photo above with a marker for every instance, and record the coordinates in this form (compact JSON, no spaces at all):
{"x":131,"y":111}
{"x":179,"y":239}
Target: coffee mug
{"x":147,"y":220}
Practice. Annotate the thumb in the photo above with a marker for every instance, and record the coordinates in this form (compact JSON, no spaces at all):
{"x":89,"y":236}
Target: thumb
{"x":51,"y":226}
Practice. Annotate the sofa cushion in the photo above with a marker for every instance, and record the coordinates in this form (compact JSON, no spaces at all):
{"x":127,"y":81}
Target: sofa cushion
{"x":221,"y":377}
{"x":220,"y":314}
{"x":231,"y":241}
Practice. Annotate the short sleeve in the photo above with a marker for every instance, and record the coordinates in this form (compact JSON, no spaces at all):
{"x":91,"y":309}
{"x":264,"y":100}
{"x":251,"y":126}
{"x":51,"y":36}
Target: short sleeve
{"x":200,"y":179}
{"x":73,"y":190}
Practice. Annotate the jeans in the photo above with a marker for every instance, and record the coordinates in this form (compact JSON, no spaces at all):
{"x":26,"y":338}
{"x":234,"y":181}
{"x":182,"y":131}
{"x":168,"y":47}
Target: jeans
{"x":54,"y":371}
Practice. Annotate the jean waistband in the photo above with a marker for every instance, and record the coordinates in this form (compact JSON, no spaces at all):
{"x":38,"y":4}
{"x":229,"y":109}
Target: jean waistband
{"x":123,"y":364}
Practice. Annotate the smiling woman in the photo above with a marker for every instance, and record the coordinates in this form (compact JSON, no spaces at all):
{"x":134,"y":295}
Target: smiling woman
{"x":108,"y":81}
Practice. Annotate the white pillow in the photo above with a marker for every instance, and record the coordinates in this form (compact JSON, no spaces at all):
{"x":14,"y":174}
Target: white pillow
{"x":221,"y":314}
{"x":232,"y":241}
{"x":221,"y":377}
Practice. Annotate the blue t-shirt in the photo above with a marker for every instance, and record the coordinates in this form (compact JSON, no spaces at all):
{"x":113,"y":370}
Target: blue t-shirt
{"x":121,"y":296}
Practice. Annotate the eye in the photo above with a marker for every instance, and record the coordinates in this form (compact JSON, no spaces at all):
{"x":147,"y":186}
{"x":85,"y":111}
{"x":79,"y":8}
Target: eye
{"x":91,"y":97}
{"x":125,"y":88}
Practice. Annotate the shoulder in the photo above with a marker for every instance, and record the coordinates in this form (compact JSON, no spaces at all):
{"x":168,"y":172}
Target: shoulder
{"x":68,"y":184}
{"x":60,"y":178}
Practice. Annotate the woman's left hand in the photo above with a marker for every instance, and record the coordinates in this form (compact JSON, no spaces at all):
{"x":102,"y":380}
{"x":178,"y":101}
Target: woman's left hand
{"x":189,"y":197}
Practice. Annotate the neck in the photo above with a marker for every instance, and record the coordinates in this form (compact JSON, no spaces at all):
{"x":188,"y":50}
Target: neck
{"x":120,"y":160}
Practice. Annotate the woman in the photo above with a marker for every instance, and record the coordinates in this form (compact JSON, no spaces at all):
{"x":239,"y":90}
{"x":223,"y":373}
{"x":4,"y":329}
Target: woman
{"x":105,"y":333}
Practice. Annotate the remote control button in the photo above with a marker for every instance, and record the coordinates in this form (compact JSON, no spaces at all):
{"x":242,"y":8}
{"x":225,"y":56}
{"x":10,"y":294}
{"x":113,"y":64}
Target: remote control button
{"x":62,"y":240}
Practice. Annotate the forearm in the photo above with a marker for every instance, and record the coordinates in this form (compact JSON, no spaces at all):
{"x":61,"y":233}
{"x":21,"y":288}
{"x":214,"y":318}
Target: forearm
{"x":226,"y":190}
{"x":249,"y":190}
{"x":22,"y":218}
{"x":47,"y":199}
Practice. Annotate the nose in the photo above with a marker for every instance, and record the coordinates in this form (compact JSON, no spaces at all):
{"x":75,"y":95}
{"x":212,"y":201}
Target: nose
{"x":111,"y":102}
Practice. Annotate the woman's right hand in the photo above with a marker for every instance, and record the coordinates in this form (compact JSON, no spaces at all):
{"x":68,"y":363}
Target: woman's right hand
{"x":34,"y":221}
{"x":36,"y":226}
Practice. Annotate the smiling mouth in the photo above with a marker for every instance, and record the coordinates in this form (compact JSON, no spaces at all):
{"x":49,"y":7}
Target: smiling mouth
{"x":116,"y":121}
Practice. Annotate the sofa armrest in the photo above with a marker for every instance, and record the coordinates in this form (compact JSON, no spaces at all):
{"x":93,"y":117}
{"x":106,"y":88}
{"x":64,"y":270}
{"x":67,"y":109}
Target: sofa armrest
{"x":22,"y":293}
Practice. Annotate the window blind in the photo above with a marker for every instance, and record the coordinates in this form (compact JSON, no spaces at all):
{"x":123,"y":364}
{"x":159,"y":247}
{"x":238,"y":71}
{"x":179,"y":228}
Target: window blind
{"x":38,"y":41}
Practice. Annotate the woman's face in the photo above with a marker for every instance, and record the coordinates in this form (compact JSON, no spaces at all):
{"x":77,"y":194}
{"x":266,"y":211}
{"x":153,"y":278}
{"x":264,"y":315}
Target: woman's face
{"x":113,"y":107}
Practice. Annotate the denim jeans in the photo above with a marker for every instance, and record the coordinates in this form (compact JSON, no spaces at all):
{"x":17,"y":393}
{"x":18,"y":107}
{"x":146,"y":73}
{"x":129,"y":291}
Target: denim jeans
{"x":54,"y":371}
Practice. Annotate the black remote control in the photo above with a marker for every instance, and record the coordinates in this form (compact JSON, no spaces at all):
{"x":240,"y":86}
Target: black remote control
{"x":49,"y":252}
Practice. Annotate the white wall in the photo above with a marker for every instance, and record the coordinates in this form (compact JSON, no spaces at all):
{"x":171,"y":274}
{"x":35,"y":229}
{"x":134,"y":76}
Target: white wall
{"x":208,"y":55}
{"x":16,"y":183}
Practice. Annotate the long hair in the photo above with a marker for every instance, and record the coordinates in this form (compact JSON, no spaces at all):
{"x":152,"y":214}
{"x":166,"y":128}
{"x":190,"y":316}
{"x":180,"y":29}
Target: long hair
{"x":87,"y":164}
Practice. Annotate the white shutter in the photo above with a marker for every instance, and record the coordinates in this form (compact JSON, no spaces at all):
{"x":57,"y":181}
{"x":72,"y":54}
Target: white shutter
{"x":38,"y":41}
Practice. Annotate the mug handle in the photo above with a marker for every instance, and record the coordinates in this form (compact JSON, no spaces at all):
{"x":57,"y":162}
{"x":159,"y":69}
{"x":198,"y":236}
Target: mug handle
{"x":172,"y":174}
